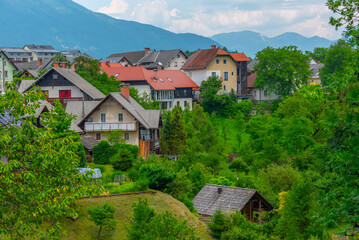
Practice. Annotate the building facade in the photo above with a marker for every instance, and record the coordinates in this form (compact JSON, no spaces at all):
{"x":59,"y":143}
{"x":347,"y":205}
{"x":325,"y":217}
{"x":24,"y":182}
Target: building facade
{"x":7,"y":69}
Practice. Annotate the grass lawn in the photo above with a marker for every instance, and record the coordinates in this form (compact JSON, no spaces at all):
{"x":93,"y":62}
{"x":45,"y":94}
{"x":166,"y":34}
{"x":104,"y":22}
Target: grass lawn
{"x":84,"y":228}
{"x":229,"y":131}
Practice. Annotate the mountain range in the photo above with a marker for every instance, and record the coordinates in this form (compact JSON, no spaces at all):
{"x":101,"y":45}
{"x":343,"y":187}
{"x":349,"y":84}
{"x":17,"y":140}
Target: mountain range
{"x":67,"y":25}
{"x":251,"y":42}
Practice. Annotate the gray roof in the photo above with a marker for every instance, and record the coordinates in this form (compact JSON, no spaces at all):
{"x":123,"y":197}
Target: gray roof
{"x":15,"y":50}
{"x":78,"y":81}
{"x":7,"y":120}
{"x":24,"y":85}
{"x":113,"y":59}
{"x":315,"y":69}
{"x":41,"y":48}
{"x":133,"y":57}
{"x":250,"y":65}
{"x":151,"y":59}
{"x":75,"y":108}
{"x":150,"y":119}
{"x":208,"y":200}
{"x":72,"y":54}
{"x":34,"y":73}
{"x":33,"y":65}
{"x":44,"y":105}
{"x":88,"y":141}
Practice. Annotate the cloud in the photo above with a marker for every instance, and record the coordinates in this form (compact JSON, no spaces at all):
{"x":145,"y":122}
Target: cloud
{"x":116,"y":6}
{"x":152,"y":12}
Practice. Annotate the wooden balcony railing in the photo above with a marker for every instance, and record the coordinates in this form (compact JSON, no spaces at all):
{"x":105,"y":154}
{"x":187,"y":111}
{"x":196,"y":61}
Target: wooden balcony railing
{"x":107,"y":127}
{"x":63,"y":100}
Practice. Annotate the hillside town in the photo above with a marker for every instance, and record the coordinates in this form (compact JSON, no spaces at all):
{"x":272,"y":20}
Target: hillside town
{"x":179,"y":144}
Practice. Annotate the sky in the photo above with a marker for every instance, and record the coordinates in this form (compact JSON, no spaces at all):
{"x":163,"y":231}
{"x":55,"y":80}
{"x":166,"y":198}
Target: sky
{"x":210,"y":17}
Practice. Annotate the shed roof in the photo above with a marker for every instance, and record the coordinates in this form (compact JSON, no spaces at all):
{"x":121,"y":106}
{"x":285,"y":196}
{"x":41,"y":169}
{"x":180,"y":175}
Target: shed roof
{"x":208,"y":200}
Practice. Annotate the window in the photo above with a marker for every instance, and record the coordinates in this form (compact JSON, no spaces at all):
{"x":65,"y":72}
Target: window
{"x":254,"y":93}
{"x":225,"y":76}
{"x":217,"y":61}
{"x":89,"y":119}
{"x":224,"y":87}
{"x":178,"y":56}
{"x":232,"y":73}
{"x":185,"y":103}
{"x":127,"y":136}
{"x":224,"y":61}
{"x":55,"y":76}
{"x":5,"y":74}
{"x":103,"y":117}
{"x":170,"y":105}
{"x":98,"y":136}
{"x":175,"y":64}
{"x":265,"y":93}
{"x":214,"y":74}
{"x":120,"y":117}
{"x":145,"y":135}
{"x":65,"y":93}
{"x":45,"y":54}
{"x":178,"y":103}
{"x":117,"y":75}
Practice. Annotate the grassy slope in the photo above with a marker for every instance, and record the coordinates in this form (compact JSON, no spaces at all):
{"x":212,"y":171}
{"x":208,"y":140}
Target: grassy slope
{"x":84,"y":228}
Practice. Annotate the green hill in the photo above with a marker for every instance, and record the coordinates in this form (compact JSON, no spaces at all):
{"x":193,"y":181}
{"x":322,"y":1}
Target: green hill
{"x":84,"y":228}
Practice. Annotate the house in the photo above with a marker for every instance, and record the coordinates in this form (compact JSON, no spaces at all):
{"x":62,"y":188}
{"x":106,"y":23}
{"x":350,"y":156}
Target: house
{"x":170,"y":87}
{"x":314,"y":79}
{"x":228,"y":67}
{"x":41,"y":51}
{"x":256,"y":94}
{"x":65,"y":85}
{"x":70,"y":55}
{"x":119,"y":111}
{"x":37,"y":65}
{"x":115,"y":61}
{"x":7,"y":69}
{"x":149,"y":59}
{"x":16,"y":54}
{"x":164,"y":60}
{"x":216,"y":197}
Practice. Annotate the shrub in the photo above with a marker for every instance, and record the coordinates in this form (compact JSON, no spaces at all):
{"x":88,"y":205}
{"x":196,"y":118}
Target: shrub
{"x":246,"y":107}
{"x":158,"y":177}
{"x":189,"y":204}
{"x":141,"y":185}
{"x":122,"y":160}
{"x":102,"y":152}
{"x":133,"y":149}
{"x":82,"y":154}
{"x":132,"y":174}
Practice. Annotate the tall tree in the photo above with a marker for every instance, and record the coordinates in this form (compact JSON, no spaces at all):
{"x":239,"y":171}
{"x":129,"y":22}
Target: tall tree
{"x":282,"y":70}
{"x":318,"y":54}
{"x":39,"y":184}
{"x":103,"y":216}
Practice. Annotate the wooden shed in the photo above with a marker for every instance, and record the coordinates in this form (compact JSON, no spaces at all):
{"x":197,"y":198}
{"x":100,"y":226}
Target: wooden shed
{"x":216,"y":197}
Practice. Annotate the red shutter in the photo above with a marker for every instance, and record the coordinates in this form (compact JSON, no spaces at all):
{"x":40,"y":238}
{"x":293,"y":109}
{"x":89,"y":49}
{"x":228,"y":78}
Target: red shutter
{"x":61,"y":94}
{"x":67,"y":93}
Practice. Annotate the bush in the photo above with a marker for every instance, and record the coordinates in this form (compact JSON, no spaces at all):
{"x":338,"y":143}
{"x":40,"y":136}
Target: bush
{"x":189,"y":204}
{"x":246,"y":107}
{"x":158,"y":177}
{"x":102,"y":152}
{"x":122,"y":160}
{"x":141,"y":185}
{"x":133,"y":149}
{"x":82,"y":154}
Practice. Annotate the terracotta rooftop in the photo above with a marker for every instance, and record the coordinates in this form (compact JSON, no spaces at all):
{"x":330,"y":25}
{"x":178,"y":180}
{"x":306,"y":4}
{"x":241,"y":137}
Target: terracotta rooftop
{"x":240,"y":57}
{"x":162,"y":80}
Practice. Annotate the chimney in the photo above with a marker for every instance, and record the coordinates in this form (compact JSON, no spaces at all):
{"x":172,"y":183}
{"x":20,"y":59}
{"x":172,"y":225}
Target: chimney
{"x":220,"y":190}
{"x":213,"y":46}
{"x":125,"y":90}
{"x":155,"y":71}
{"x":40,"y":62}
{"x":64,"y":65}
{"x":147,"y":50}
{"x":56,"y":64}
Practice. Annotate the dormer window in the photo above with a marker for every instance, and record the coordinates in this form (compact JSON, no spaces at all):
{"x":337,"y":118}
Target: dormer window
{"x":117,"y":75}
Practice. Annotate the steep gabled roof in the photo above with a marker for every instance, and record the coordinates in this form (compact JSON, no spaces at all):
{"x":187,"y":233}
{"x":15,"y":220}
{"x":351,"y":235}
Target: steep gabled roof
{"x":7,"y":58}
{"x":152,"y":58}
{"x":133,"y":57}
{"x":240,"y":57}
{"x":25,"y":85}
{"x":77,"y":80}
{"x":77,"y":108}
{"x":210,"y":199}
{"x":150,"y":119}
{"x":200,"y":59}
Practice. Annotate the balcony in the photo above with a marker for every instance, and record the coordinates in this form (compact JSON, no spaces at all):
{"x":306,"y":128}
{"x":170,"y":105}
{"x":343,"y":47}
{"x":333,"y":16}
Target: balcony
{"x":108,"y":127}
{"x":63,"y":100}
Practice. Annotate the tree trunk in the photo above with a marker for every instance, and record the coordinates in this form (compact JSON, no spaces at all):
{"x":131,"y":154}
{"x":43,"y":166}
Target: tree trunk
{"x":99,"y":231}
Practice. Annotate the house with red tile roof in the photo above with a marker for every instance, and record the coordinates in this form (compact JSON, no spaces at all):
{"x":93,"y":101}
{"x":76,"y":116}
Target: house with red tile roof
{"x":231,"y":68}
{"x":170,"y":87}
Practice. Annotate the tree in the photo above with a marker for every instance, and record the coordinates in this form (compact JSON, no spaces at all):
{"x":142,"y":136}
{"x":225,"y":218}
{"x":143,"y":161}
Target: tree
{"x":103,"y":216}
{"x":122,"y":160}
{"x":40,"y":183}
{"x":208,"y":91}
{"x":318,"y":54}
{"x":158,"y":177}
{"x":220,"y":223}
{"x":116,"y":136}
{"x":335,"y":61}
{"x":281,"y":70}
{"x":149,"y":225}
{"x":144,"y":99}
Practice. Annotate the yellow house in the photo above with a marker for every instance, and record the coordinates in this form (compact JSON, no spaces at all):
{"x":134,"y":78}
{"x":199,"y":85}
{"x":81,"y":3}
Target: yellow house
{"x":206,"y":63}
{"x":119,"y":111}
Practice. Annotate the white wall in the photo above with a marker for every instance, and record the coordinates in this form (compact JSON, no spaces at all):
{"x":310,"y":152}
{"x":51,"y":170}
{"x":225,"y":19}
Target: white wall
{"x":259,"y":95}
{"x":182,"y":101}
{"x":176,"y":61}
{"x":197,"y":76}
{"x":54,"y":91}
{"x":143,"y":88}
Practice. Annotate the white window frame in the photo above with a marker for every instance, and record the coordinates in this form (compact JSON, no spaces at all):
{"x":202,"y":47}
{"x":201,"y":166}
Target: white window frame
{"x":224,"y":76}
{"x":123,"y":117}
{"x":103,"y":114}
